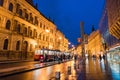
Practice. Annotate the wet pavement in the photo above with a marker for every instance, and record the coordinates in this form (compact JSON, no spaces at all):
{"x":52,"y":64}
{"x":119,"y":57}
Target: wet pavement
{"x":89,"y":69}
{"x":96,"y":69}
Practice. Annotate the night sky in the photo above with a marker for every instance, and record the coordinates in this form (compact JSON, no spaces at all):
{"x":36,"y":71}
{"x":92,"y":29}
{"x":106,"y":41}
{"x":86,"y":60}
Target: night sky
{"x":67,"y":15}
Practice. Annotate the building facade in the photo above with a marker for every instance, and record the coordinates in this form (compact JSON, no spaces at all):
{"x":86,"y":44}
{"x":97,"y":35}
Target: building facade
{"x":113,"y":10}
{"x":23,"y":29}
{"x":108,"y":39}
{"x":94,"y":46}
{"x":109,"y":27}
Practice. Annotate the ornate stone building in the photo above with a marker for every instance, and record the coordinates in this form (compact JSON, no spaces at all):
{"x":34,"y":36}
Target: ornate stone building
{"x":23,"y":29}
{"x":94,"y":43}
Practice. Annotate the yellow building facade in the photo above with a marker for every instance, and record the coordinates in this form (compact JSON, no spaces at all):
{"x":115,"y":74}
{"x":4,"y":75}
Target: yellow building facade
{"x":61,"y":42}
{"x":94,"y":43}
{"x":23,"y":29}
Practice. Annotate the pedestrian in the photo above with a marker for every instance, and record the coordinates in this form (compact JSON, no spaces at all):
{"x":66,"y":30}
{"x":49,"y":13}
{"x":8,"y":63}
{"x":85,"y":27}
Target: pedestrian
{"x":100,"y":57}
{"x":75,"y":57}
{"x":104,"y":56}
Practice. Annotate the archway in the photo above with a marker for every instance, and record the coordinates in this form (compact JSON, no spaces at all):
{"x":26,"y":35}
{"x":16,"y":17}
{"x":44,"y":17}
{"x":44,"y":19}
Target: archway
{"x":24,"y":49}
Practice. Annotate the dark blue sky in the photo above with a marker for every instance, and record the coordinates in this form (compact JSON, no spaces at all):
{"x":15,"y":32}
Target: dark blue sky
{"x":67,"y":15}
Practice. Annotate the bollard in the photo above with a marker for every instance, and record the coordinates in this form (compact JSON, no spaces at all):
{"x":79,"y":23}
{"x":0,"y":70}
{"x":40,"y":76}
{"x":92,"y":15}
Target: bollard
{"x":69,"y":70}
{"x":57,"y":75}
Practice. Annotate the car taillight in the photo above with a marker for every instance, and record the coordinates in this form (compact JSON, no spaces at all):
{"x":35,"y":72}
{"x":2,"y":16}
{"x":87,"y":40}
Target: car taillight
{"x":41,"y":57}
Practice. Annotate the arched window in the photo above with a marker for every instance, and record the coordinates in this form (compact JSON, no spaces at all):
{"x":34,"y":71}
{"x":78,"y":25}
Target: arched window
{"x":36,"y":21}
{"x":8,"y":23}
{"x":5,"y":47}
{"x":11,"y":7}
{"x":25,"y":31}
{"x":43,"y":37}
{"x":36,"y":35}
{"x":1,"y":2}
{"x":40,"y":25}
{"x":18,"y":45}
{"x":20,"y":12}
{"x":26,"y":16}
{"x":18,"y":28}
{"x":31,"y":18}
{"x":40,"y":36}
{"x":17,"y":8}
{"x":30,"y":33}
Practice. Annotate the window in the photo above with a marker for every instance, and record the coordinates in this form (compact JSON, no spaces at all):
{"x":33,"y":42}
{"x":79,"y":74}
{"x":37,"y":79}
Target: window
{"x":10,"y":7}
{"x":5,"y":47}
{"x":36,"y":20}
{"x":40,"y":25}
{"x":36,"y":34}
{"x":25,"y":31}
{"x":30,"y":33}
{"x":31,"y":18}
{"x":1,"y":2}
{"x":8,"y":23}
{"x":26,"y":16}
{"x":40,"y":36}
{"x":18,"y":28}
{"x":17,"y":8}
{"x":20,"y":13}
{"x":18,"y":45}
{"x":44,"y":27}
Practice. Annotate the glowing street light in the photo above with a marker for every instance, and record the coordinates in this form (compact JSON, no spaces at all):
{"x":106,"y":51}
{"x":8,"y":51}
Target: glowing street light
{"x":47,"y":30}
{"x":69,"y":43}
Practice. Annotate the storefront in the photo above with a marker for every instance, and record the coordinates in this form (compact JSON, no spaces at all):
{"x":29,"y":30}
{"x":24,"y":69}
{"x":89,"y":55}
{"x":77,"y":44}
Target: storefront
{"x":114,"y":54}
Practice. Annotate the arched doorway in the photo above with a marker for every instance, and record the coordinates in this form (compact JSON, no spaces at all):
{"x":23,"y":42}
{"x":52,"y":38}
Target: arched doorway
{"x":24,"y":49}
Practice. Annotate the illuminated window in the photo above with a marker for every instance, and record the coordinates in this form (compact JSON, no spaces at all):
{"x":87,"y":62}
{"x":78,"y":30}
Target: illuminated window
{"x":8,"y":23}
{"x":11,"y":7}
{"x":5,"y":47}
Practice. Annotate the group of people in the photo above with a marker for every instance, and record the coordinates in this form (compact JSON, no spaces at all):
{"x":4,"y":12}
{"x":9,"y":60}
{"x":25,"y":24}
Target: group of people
{"x":101,"y":56}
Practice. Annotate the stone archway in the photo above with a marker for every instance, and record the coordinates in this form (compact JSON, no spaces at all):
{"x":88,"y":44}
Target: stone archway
{"x":25,"y":47}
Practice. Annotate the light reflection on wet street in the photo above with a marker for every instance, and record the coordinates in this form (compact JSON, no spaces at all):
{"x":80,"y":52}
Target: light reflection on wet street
{"x":46,"y":73}
{"x":94,"y":69}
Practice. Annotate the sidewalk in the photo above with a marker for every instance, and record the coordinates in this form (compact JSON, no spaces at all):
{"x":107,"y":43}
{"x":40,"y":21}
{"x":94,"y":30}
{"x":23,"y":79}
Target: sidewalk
{"x":94,"y":70}
{"x":13,"y":61}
